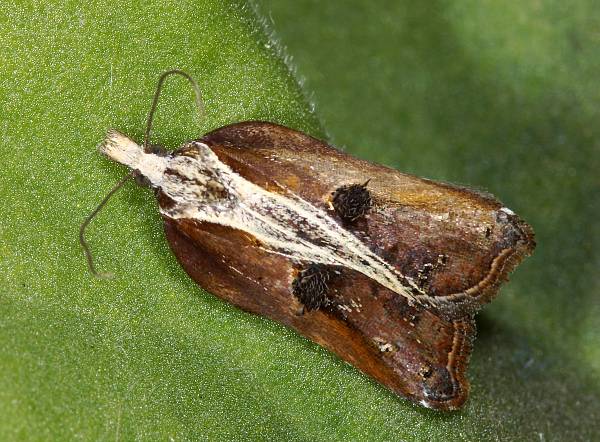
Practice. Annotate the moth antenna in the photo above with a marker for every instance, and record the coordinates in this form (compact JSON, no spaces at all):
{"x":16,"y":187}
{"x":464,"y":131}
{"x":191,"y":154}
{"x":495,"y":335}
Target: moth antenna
{"x":161,"y":80}
{"x":90,"y":217}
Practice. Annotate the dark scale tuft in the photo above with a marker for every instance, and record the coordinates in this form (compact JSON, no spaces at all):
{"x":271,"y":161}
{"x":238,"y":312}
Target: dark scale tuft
{"x":310,"y":286}
{"x":352,"y":201}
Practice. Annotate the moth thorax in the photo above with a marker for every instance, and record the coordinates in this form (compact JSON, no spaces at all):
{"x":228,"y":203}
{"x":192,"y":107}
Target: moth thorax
{"x":194,"y":182}
{"x":215,"y":190}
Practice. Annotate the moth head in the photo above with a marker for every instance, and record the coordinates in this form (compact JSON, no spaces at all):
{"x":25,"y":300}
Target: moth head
{"x":146,"y":167}
{"x":154,"y":149}
{"x":124,"y":150}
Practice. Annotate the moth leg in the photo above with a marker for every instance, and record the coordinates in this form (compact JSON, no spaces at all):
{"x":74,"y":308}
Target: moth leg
{"x":310,"y":287}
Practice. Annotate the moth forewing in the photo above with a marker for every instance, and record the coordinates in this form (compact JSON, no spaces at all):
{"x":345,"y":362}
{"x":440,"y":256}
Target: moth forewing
{"x":456,"y":245}
{"x":202,"y":188}
{"x":436,"y":244}
{"x":384,"y":269}
{"x":406,"y":348}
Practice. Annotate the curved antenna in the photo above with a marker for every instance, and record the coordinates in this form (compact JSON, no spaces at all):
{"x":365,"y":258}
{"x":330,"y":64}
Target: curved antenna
{"x":84,"y":244}
{"x":90,"y":217}
{"x":161,"y":80}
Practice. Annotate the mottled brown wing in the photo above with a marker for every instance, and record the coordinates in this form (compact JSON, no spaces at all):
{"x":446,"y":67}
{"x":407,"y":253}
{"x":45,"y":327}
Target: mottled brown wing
{"x":457,"y":243}
{"x":408,"y":349}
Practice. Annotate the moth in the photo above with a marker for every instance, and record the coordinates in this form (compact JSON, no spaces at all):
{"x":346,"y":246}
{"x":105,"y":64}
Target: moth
{"x":385,"y":269}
